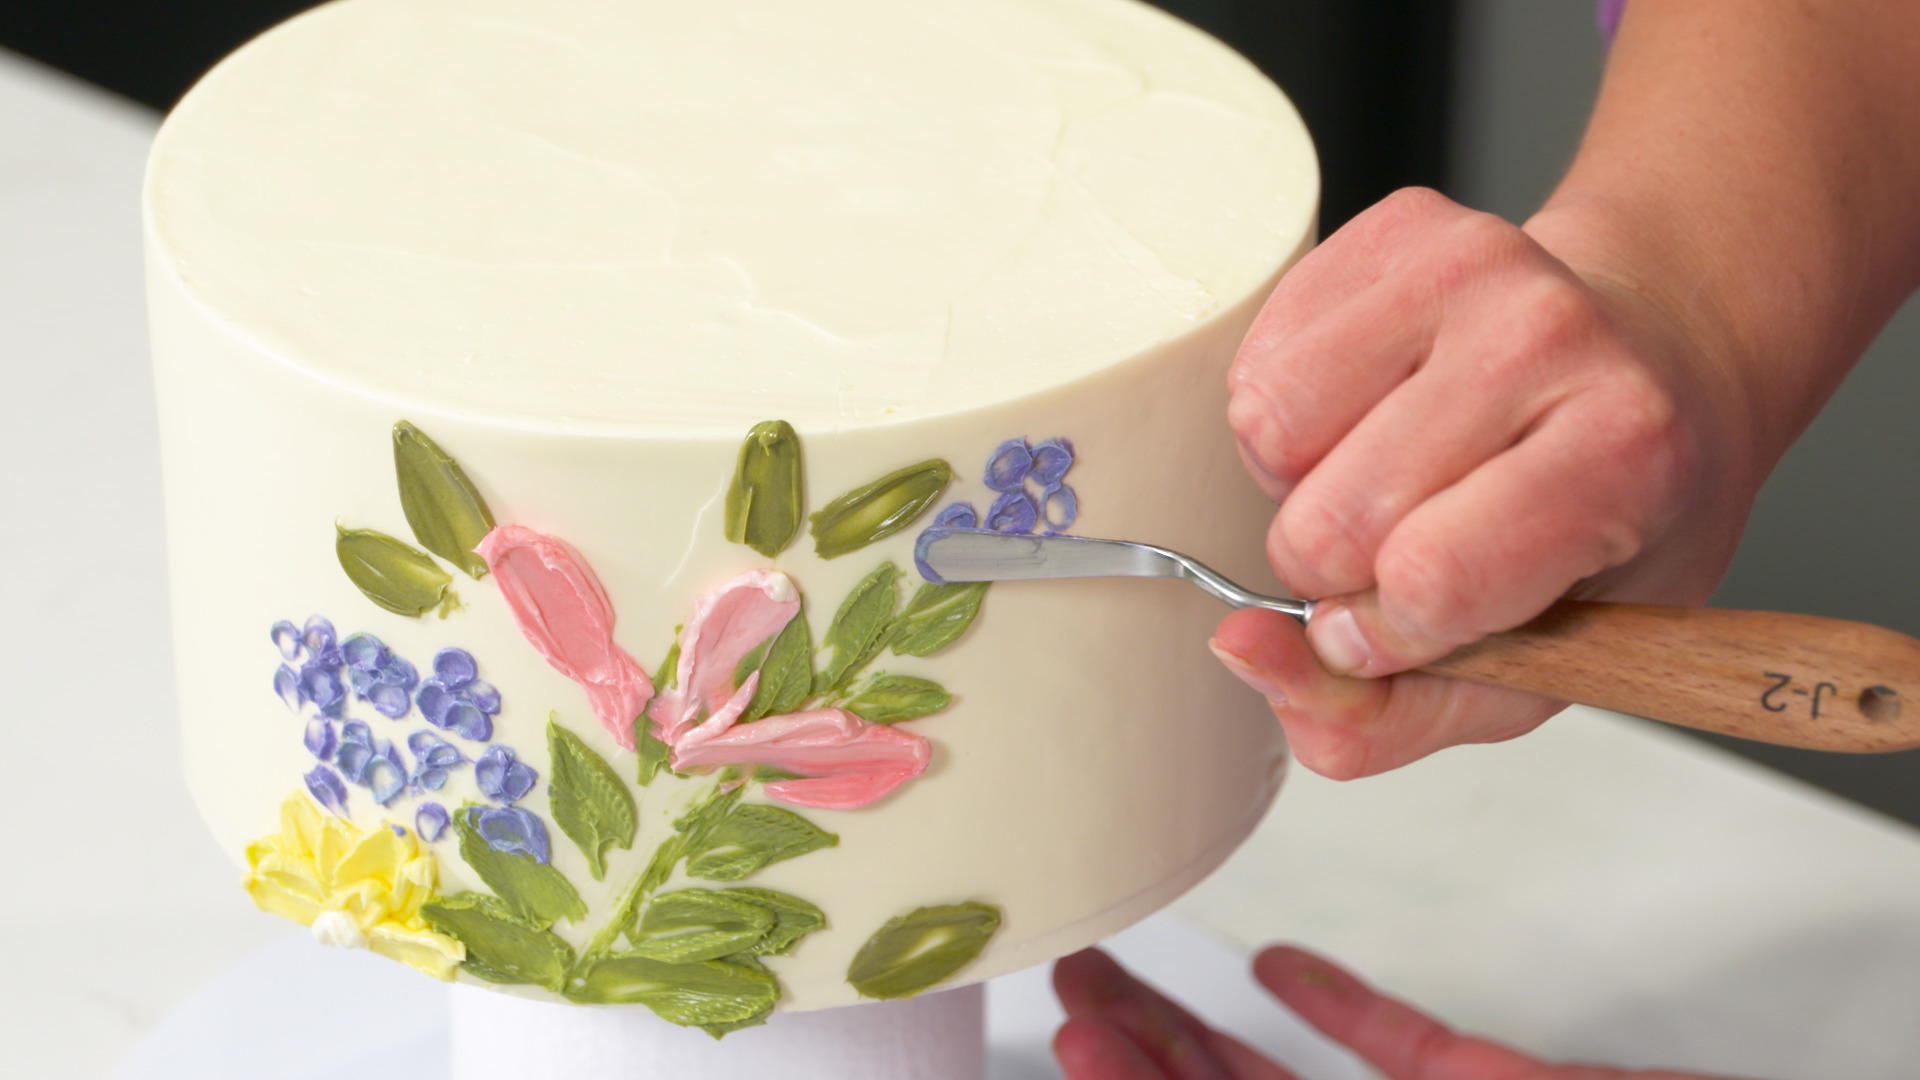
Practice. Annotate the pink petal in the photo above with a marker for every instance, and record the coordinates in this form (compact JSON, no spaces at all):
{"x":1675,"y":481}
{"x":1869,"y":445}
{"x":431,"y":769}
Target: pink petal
{"x":727,"y":624}
{"x":565,"y":615}
{"x":844,"y":762}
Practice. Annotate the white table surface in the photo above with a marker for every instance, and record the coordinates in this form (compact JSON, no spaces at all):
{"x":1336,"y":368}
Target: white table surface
{"x":1601,"y":889}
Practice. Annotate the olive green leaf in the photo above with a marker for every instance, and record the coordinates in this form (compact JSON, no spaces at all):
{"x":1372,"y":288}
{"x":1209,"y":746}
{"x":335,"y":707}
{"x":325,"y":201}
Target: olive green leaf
{"x":709,"y":992}
{"x":859,"y":629}
{"x":921,"y":948}
{"x":793,"y":919}
{"x":445,"y":512}
{"x":935,"y":616}
{"x":786,"y":674}
{"x":764,"y":503}
{"x":501,"y":947}
{"x":532,"y":890}
{"x":889,"y":699}
{"x":589,"y":801}
{"x":392,"y":573}
{"x":653,"y":753}
{"x":879,"y":509}
{"x":753,"y":837}
{"x":699,"y":924}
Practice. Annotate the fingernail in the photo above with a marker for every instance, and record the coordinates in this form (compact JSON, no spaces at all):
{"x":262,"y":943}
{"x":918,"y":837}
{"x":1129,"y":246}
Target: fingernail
{"x":1249,"y":674}
{"x":1335,"y":637}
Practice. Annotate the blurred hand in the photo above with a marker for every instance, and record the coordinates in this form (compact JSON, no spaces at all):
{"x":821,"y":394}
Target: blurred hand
{"x":1459,"y":430}
{"x":1119,"y":1028}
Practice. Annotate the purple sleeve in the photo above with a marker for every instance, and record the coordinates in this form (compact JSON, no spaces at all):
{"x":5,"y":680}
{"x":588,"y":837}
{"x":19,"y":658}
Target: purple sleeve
{"x":1608,"y":16}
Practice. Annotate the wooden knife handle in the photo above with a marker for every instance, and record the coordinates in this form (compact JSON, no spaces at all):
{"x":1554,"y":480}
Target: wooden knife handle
{"x":1796,"y":680}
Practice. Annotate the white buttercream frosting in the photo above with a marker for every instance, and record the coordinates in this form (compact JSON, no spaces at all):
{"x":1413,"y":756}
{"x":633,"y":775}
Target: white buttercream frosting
{"x":661,"y":216}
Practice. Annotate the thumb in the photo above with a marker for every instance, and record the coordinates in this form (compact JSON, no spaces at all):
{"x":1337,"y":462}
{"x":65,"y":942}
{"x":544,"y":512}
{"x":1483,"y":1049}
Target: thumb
{"x":1352,"y":638}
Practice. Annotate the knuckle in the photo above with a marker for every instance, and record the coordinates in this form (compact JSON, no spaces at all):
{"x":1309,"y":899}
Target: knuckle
{"x":1324,"y":537}
{"x":1265,"y":430}
{"x":1427,"y":592}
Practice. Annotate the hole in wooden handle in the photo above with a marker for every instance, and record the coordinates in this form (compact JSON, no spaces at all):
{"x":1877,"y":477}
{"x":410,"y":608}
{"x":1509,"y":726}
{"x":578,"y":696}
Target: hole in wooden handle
{"x":1880,"y":703}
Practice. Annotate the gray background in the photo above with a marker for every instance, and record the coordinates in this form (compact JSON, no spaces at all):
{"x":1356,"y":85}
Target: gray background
{"x":1832,"y":533}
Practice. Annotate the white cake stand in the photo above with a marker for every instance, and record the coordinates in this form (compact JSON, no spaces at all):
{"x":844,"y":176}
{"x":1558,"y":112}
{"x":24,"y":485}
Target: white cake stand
{"x":295,"y":1011}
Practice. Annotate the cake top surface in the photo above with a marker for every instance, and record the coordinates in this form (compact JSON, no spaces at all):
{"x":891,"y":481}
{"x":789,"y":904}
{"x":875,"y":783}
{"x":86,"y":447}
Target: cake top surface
{"x":658,"y":217}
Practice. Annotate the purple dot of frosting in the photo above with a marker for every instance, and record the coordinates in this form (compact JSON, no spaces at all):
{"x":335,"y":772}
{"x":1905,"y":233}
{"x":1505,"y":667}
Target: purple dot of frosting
{"x":286,"y":637}
{"x":318,"y":634}
{"x":956,"y":516}
{"x":454,"y":668}
{"x":1051,"y":460}
{"x":1008,"y":465}
{"x":327,"y":789}
{"x":1059,"y":507}
{"x":434,"y":701}
{"x":392,"y":701}
{"x":287,"y":685}
{"x":1013,"y":512}
{"x":512,"y":831}
{"x":363,"y":651}
{"x":481,"y":695}
{"x":320,"y":738}
{"x":431,"y":821}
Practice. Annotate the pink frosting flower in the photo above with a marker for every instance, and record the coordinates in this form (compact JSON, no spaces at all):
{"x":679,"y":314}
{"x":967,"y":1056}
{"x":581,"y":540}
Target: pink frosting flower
{"x":727,"y":624}
{"x":844,"y":762}
{"x":565,"y":615}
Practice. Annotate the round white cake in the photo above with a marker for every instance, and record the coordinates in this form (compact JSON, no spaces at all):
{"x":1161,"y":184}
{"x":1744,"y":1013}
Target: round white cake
{"x":552,"y":392}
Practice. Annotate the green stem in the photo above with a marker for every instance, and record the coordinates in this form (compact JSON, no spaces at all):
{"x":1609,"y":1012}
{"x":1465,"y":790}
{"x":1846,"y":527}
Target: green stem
{"x":692,"y":828}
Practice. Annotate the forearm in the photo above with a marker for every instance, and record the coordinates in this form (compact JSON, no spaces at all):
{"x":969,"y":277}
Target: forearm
{"x":1752,"y":172}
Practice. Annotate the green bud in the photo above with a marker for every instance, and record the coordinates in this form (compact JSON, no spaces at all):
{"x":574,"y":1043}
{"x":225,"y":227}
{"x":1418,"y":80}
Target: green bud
{"x":765,"y":501}
{"x":879,"y":509}
{"x":392,"y":573}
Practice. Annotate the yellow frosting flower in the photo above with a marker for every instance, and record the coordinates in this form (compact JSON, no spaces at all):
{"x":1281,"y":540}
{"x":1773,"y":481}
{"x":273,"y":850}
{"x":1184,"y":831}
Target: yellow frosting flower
{"x":351,"y":887}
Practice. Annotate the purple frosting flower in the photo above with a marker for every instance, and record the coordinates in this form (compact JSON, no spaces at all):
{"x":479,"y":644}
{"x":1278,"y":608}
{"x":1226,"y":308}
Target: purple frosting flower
{"x":431,"y":821}
{"x":456,"y":700}
{"x":327,"y":789}
{"x":511,"y":830}
{"x":502,"y":778}
{"x":433,"y":756}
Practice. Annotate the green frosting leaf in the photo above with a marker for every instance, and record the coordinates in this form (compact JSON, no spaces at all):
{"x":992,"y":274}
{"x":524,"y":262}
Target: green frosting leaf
{"x":443,"y":509}
{"x":532,"y":890}
{"x":501,"y":947}
{"x":879,"y":509}
{"x":754,"y":837}
{"x":709,"y":993}
{"x":392,"y":573}
{"x":699,"y":924}
{"x":786,"y":675}
{"x":793,"y":919}
{"x":859,"y":628}
{"x":921,"y":948}
{"x":889,"y":699}
{"x":936,"y":616}
{"x":589,"y":801}
{"x":653,"y":753}
{"x":764,"y":503}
